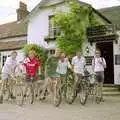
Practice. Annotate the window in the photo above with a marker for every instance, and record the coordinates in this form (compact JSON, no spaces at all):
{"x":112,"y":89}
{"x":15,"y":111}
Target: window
{"x":3,"y":60}
{"x":88,"y":60}
{"x":53,"y":29}
{"x":117,"y":59}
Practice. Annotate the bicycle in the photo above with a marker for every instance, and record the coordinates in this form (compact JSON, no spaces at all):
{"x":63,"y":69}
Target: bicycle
{"x":11,"y":90}
{"x":81,"y":89}
{"x":67,"y":86}
{"x":18,"y":91}
{"x":29,"y":90}
{"x":93,"y":88}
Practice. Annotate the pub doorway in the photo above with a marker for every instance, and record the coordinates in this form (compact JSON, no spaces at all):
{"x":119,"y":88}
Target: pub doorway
{"x":106,"y":49}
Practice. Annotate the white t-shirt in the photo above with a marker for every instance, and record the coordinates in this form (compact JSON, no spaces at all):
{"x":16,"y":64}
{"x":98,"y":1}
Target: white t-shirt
{"x":98,"y":64}
{"x":9,"y":66}
{"x":79,"y":64}
{"x":62,"y":66}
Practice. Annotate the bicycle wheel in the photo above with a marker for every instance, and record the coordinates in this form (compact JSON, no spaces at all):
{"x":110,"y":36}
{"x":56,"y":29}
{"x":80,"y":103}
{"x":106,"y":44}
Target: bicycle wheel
{"x":68,"y":89}
{"x":73,"y":97}
{"x":98,"y":100}
{"x":6,"y":94}
{"x":29,"y":95}
{"x":18,"y":93}
{"x":58,"y":99}
{"x":68,"y":92}
{"x":83,"y":94}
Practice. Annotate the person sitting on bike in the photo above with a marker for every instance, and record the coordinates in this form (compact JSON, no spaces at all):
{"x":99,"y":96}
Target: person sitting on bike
{"x":32,"y":66}
{"x":8,"y":72}
{"x":78,"y":64}
{"x":98,"y":65}
{"x":50,"y":73}
{"x":63,"y":65}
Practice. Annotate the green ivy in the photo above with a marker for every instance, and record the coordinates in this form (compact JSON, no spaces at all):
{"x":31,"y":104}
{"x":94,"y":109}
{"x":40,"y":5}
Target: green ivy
{"x":73,"y":26}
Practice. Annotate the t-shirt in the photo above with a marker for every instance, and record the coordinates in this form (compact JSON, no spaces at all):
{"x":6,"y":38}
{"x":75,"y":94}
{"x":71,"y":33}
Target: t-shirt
{"x":51,"y":66}
{"x":31,"y":65}
{"x":62,"y":66}
{"x":9,"y":66}
{"x":79,"y":64}
{"x":96,"y":63}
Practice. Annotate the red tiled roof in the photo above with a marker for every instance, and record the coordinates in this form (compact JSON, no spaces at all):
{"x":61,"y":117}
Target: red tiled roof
{"x":12,"y":45}
{"x":13,"y":29}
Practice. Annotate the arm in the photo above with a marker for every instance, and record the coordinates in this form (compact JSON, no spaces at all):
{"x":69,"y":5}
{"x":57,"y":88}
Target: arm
{"x":104,"y":63}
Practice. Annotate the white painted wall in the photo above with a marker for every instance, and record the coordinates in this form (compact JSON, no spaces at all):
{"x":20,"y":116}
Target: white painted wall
{"x":117,"y":67}
{"x":38,"y":25}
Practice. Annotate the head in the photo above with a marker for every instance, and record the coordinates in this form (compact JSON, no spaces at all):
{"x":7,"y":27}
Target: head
{"x":32,"y":54}
{"x":57,"y":53}
{"x":62,"y":55}
{"x":79,"y":54}
{"x":97,"y":53}
{"x":14,"y":55}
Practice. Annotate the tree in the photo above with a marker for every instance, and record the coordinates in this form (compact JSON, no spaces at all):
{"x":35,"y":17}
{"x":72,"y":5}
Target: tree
{"x":73,"y":25}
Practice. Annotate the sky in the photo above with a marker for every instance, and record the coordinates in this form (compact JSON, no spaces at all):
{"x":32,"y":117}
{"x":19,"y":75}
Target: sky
{"x":8,"y":7}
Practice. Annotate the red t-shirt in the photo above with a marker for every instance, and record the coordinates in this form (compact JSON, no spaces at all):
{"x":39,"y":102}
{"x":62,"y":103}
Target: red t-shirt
{"x":31,"y":65}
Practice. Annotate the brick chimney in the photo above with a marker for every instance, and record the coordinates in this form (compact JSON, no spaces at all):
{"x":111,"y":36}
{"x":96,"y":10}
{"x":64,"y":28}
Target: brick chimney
{"x":22,"y":11}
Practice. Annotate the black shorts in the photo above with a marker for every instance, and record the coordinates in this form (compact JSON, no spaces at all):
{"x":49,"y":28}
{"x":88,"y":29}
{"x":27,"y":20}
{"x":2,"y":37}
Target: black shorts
{"x":100,"y":76}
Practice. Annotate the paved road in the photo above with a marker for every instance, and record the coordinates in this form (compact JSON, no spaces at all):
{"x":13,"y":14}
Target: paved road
{"x":109,"y":110}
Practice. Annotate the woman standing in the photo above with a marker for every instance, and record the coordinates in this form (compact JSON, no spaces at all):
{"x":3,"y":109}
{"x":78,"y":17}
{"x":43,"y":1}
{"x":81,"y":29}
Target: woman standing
{"x":63,"y":65}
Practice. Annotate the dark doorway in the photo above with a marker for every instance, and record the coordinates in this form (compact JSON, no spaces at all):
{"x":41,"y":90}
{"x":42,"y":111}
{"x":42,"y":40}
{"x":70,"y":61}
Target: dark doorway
{"x":106,"y":49}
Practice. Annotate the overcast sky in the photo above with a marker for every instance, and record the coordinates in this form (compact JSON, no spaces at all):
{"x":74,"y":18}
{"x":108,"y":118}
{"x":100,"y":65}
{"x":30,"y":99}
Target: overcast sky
{"x":8,"y":7}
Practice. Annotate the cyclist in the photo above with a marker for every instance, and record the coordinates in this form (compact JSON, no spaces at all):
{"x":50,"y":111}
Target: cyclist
{"x":32,"y":66}
{"x":8,"y":71}
{"x":51,"y":75}
{"x":98,"y":65}
{"x":78,"y":64}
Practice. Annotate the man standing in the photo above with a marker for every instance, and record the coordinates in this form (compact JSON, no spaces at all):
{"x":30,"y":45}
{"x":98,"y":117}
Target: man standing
{"x":51,"y":76}
{"x":78,"y":64}
{"x":8,"y":71}
{"x":98,"y":66}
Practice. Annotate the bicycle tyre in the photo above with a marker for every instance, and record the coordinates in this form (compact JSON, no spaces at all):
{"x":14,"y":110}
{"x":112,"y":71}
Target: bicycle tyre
{"x":58,"y":101}
{"x":83,"y":93}
{"x":68,"y":90}
{"x":29,"y":95}
{"x":18,"y":93}
{"x":98,"y":100}
{"x":6,"y":94}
